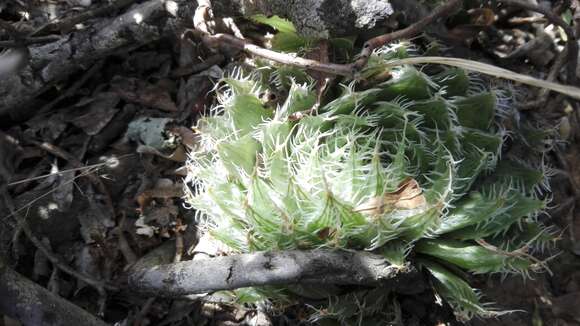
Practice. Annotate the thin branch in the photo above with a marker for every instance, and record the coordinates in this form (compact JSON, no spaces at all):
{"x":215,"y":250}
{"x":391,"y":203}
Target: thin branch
{"x":33,"y":201}
{"x":88,"y":167}
{"x":11,"y":30}
{"x":491,"y":70}
{"x":440,"y":12}
{"x":144,"y":311}
{"x":268,"y":268}
{"x":122,"y":242}
{"x":203,"y":17}
{"x":220,"y":40}
{"x":571,"y":43}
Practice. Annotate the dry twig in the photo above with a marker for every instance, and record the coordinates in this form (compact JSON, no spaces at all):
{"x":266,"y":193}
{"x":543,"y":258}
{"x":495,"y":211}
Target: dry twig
{"x":220,"y":40}
{"x":440,"y":12}
{"x":492,"y":70}
{"x":571,"y":43}
{"x":72,"y":89}
{"x":195,"y":68}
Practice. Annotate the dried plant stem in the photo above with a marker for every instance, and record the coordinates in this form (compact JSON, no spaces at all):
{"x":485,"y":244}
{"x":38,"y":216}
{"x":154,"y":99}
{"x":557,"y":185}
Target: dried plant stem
{"x":98,"y":183}
{"x":521,"y":252}
{"x":411,"y":31}
{"x":124,"y":246}
{"x":144,"y":311}
{"x":289,"y":59}
{"x":491,"y":70}
{"x":30,"y":203}
{"x":92,"y":167}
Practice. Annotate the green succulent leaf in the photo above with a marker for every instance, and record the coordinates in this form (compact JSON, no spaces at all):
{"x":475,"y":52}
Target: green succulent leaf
{"x":239,"y":155}
{"x":519,"y":174}
{"x":247,"y":112}
{"x":454,"y":82}
{"x":472,"y":257}
{"x":476,"y":111}
{"x":471,"y":210}
{"x":408,"y":83}
{"x":517,"y":206}
{"x":464,"y":299}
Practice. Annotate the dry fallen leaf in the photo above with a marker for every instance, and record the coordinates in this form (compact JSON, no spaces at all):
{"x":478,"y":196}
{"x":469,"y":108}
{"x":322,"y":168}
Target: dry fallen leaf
{"x":164,"y":189}
{"x":408,"y":195}
{"x":138,"y":91}
{"x":96,"y":114}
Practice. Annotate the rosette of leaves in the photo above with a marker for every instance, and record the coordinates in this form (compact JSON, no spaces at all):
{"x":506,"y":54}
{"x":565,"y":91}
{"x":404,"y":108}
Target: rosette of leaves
{"x":411,"y":168}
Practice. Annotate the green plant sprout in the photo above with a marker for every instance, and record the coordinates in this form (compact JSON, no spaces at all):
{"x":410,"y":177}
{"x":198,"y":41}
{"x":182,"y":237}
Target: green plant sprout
{"x":411,"y":168}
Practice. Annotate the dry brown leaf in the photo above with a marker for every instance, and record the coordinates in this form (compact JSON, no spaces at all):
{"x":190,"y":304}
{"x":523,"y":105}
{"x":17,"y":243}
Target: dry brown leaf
{"x":408,"y":195}
{"x":97,"y":113}
{"x":188,"y":137}
{"x":164,"y":189}
{"x":138,"y":91}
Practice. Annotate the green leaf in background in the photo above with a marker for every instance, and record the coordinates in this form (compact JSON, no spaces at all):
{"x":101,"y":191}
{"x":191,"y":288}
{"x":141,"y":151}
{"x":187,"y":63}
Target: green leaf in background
{"x":286,"y":40}
{"x":289,"y":42}
{"x":280,"y":24}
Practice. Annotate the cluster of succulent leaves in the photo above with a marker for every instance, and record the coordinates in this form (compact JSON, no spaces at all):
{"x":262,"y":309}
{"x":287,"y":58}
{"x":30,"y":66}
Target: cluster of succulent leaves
{"x":410,"y":168}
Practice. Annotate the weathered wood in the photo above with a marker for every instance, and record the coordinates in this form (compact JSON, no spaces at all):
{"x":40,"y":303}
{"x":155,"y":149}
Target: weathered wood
{"x":268,"y":268}
{"x":32,"y":304}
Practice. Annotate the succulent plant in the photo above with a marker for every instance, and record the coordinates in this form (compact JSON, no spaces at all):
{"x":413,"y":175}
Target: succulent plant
{"x":411,"y":168}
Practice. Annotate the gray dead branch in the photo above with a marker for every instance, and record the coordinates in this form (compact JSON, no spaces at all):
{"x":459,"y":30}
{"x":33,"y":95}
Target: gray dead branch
{"x":32,"y":304}
{"x":271,"y":268}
